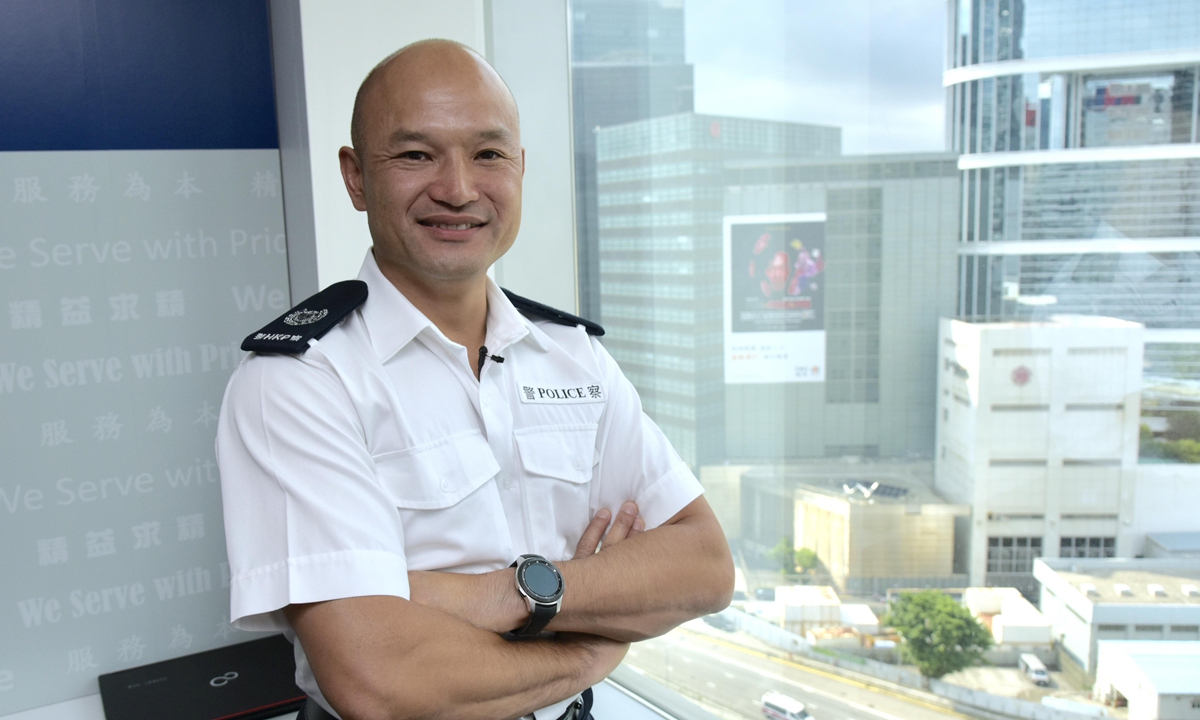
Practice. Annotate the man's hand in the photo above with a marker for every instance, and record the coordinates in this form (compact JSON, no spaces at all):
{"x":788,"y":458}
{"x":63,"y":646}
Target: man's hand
{"x":359,"y":646}
{"x":490,"y":601}
{"x":643,"y":583}
{"x":626,"y":525}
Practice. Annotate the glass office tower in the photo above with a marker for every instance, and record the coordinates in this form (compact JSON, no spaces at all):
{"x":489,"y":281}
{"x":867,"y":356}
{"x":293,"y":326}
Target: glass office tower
{"x":1077,"y":124}
{"x":660,"y":189}
{"x":627,"y":63}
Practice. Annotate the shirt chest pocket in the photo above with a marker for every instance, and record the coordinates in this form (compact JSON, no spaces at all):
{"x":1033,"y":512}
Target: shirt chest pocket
{"x":557,"y":464}
{"x":445,"y":502}
{"x":563,"y":452}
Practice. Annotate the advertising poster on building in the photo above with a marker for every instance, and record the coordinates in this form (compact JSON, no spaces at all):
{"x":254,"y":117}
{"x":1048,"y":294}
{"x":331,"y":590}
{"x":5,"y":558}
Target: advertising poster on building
{"x":774,"y":298}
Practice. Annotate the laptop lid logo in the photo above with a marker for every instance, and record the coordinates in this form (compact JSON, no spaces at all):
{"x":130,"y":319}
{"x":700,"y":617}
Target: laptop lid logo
{"x":223,"y":680}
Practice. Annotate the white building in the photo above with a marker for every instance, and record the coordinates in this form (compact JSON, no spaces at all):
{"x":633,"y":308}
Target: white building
{"x":806,"y":607}
{"x":1158,"y":680}
{"x":1011,"y":618}
{"x":1088,"y":600}
{"x":1173,"y":544}
{"x":1038,"y":433}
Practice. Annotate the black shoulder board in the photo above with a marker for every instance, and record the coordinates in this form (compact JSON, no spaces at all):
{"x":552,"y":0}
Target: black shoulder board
{"x":537,"y":311}
{"x":289,"y":333}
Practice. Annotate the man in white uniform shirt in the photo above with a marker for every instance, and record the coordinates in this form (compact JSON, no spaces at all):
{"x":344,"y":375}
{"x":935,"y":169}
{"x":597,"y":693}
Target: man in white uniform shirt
{"x":379,"y":482}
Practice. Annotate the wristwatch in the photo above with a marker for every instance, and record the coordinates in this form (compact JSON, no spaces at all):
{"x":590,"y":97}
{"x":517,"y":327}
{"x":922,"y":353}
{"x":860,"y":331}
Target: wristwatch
{"x":541,"y":584}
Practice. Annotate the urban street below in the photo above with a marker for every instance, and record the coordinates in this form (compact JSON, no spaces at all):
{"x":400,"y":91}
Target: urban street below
{"x":731,"y":679}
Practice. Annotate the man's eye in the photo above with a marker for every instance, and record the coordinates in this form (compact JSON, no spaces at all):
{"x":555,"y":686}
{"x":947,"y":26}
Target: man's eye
{"x":413,"y":155}
{"x":490,"y":155}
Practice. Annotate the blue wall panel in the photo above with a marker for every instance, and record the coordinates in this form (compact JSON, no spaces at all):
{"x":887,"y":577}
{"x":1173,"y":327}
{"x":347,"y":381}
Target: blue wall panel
{"x":135,"y":75}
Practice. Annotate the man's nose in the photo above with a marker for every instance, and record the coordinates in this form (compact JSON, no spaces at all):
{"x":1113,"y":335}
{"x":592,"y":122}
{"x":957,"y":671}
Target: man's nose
{"x":455,"y":182}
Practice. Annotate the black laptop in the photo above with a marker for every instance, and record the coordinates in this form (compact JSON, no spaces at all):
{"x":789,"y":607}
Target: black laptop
{"x":248,"y":681}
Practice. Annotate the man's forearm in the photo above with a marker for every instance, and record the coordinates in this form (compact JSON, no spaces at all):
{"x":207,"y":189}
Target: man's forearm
{"x":385,"y":658}
{"x":649,"y":583}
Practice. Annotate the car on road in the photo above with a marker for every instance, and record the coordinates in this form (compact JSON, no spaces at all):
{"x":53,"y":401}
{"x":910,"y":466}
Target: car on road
{"x":721,"y":621}
{"x":781,"y":707}
{"x":765,"y":594}
{"x":1033,"y":668}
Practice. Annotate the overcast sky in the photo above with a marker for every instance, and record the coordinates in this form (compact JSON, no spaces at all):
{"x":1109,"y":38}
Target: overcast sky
{"x":872,"y":67}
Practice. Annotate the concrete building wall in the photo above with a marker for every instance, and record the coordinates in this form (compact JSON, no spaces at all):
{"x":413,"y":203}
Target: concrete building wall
{"x":1166,"y":498}
{"x":1039,"y":433}
{"x":901,"y":541}
{"x":889,"y":276}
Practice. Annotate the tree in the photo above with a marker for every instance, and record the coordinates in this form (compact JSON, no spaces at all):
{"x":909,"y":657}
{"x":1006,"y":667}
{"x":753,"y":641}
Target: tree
{"x":785,"y":555}
{"x":806,"y":559}
{"x":940,"y":635}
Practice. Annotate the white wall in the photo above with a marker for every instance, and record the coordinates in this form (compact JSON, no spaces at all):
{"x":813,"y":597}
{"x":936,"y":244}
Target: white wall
{"x":322,"y":50}
{"x":1166,"y":498}
{"x":340,"y":43}
{"x":529,"y":47}
{"x":319,"y":72}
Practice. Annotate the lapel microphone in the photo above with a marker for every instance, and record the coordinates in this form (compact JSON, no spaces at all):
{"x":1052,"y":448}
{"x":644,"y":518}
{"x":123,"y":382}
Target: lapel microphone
{"x":483,"y":355}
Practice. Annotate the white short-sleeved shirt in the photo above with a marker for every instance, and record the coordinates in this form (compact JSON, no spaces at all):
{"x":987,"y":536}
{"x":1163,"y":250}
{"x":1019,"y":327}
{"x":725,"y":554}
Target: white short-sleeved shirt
{"x":377,"y":452}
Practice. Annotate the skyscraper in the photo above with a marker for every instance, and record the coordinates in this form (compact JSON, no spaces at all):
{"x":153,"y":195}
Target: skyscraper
{"x":661,"y":189}
{"x":1077,"y":124}
{"x":1077,"y":128}
{"x":627,"y":63}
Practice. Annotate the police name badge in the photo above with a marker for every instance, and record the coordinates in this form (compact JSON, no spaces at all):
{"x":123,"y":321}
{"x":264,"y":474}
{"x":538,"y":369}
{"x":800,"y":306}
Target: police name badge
{"x":561,"y":395}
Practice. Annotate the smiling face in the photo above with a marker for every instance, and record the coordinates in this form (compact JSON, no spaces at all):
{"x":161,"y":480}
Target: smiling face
{"x":438,"y":166}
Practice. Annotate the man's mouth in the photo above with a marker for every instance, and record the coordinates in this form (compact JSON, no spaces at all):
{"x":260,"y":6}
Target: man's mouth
{"x":453,"y":226}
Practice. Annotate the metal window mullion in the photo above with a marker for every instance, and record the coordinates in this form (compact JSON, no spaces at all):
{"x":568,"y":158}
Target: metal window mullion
{"x":1195,"y":100}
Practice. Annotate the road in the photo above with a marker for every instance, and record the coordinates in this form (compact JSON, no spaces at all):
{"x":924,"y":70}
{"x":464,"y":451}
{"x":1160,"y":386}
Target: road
{"x":729,"y":680}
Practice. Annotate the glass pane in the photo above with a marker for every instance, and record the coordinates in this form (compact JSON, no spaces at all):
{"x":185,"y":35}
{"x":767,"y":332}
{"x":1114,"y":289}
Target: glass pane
{"x":807,"y":228}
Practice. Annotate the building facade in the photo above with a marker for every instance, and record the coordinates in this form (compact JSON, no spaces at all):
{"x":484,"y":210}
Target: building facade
{"x":1038,"y":433}
{"x":890,"y":236}
{"x":661,"y":187}
{"x":627,"y":63}
{"x":1086,"y":601}
{"x":873,"y":525}
{"x":891,"y":232}
{"x":1077,"y":125}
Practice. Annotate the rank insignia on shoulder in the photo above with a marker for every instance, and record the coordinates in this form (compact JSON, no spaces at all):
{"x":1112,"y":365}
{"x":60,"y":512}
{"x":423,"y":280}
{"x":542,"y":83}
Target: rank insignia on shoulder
{"x":536,"y":311}
{"x":289,"y":333}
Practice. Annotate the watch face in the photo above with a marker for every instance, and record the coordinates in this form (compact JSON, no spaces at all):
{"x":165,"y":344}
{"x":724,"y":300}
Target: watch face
{"x":541,"y":581}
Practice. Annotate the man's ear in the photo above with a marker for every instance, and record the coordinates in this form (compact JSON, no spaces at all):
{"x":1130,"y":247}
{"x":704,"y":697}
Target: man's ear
{"x":522,"y":162}
{"x":352,"y":175}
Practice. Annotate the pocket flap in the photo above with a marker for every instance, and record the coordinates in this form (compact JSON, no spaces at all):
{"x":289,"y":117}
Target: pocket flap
{"x":439,"y":475}
{"x":564,"y":452}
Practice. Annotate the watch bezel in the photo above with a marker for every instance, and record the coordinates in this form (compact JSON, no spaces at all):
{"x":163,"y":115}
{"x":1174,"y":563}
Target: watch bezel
{"x":523,"y":567}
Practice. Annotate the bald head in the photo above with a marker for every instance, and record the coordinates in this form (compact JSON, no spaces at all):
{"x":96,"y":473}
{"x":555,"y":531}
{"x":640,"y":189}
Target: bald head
{"x":421,"y":63}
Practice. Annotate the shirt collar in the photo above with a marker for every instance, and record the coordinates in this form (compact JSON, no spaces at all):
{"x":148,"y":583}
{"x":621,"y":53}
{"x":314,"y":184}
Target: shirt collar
{"x":393,"y":321}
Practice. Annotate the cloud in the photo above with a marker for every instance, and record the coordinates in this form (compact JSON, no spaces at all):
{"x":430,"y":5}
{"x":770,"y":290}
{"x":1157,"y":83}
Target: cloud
{"x":872,"y":67}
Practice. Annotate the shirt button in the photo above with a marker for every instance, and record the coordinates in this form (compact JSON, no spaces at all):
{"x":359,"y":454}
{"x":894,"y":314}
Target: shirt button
{"x":578,"y":464}
{"x":507,"y":483}
{"x":445,"y":485}
{"x":484,"y":401}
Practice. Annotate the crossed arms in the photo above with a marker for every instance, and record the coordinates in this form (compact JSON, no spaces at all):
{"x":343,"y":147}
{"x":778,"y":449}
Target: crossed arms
{"x":440,"y":655}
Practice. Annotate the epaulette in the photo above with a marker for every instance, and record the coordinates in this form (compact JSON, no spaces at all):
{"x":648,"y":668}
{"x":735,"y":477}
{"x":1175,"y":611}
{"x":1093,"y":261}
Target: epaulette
{"x":536,"y":311}
{"x":290,"y":332}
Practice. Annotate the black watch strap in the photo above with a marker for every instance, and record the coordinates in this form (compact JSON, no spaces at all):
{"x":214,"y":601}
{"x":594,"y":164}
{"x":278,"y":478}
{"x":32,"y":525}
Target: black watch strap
{"x":538,"y":619}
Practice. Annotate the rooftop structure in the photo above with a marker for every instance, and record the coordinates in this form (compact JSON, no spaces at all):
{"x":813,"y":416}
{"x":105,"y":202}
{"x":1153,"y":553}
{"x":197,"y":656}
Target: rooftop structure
{"x":1088,"y":600}
{"x":1010,"y":617}
{"x":1158,"y":680}
{"x":873,"y":525}
{"x":1173,"y":545}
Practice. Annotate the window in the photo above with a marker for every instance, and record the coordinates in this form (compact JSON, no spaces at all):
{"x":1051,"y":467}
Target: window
{"x":1013,"y":554}
{"x":803,"y":269}
{"x":1087,"y":547}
